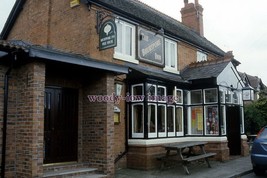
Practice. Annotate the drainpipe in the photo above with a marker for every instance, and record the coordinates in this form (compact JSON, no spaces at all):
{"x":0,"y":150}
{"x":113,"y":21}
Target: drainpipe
{"x":6,"y":83}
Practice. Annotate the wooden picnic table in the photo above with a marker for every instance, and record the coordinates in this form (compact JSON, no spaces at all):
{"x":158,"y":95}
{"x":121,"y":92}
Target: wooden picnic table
{"x":185,"y":153}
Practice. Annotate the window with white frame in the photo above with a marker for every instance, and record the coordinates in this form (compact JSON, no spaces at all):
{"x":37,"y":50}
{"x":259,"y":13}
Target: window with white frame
{"x":242,"y":126}
{"x":138,"y":120}
{"x":152,"y":120}
{"x":171,"y":120}
{"x":223,"y":120}
{"x":195,"y":120}
{"x":137,"y":93}
{"x":125,"y":49}
{"x":211,"y":120}
{"x":171,"y":63}
{"x":179,"y":121}
{"x":211,"y":95}
{"x":161,"y":93}
{"x":201,"y":56}
{"x":196,"y":97}
{"x":162,"y":120}
{"x":178,"y":96}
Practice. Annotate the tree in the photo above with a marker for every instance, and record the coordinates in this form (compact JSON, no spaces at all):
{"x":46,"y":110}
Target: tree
{"x":256,"y":114}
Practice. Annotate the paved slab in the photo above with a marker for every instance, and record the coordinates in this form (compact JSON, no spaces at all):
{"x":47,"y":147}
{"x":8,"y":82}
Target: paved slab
{"x":229,"y":169}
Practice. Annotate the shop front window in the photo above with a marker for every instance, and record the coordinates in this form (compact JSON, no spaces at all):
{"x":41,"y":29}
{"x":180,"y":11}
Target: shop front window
{"x":212,"y":120}
{"x":179,"y":121}
{"x":196,"y":121}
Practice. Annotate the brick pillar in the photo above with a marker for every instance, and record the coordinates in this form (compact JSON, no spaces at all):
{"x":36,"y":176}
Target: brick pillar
{"x":29,"y":124}
{"x":98,"y":124}
{"x":244,"y":147}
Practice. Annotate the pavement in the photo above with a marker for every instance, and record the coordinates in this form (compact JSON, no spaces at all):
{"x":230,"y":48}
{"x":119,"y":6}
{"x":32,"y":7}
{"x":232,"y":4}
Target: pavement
{"x":233,"y":168}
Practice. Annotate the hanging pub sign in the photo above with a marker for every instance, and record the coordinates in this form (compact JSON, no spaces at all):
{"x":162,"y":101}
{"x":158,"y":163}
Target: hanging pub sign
{"x":150,"y":47}
{"x":108,"y":35}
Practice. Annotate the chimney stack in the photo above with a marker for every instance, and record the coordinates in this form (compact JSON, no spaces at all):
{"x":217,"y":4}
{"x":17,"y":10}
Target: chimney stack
{"x":192,"y":16}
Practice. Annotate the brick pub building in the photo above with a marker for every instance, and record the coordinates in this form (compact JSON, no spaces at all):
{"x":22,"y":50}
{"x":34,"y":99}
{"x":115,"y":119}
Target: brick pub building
{"x":63,"y":63}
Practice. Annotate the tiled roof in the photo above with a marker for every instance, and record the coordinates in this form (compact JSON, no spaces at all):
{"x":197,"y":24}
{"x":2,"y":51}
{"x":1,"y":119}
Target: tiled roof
{"x":144,"y":13}
{"x":202,"y":70}
{"x":253,"y":81}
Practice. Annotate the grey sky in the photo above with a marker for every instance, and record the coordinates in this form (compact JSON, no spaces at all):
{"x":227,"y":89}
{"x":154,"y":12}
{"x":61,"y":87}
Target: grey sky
{"x":233,"y":25}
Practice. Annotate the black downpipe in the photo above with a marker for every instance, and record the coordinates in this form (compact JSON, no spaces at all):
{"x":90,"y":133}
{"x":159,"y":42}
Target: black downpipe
{"x":6,"y":85}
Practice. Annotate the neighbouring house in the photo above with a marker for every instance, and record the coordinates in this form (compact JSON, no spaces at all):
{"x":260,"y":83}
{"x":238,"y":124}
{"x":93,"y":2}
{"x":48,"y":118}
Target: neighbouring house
{"x":95,"y":85}
{"x":253,"y":82}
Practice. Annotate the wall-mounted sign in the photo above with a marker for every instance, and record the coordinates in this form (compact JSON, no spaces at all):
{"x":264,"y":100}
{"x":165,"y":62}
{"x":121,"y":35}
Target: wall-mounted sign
{"x":108,"y":35}
{"x":150,"y":47}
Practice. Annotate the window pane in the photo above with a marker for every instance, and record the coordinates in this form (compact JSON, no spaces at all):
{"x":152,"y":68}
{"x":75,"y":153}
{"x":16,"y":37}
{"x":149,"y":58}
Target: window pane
{"x":118,"y":48}
{"x":170,"y":119}
{"x":179,"y":119}
{"x":223,"y":120}
{"x":161,"y":93}
{"x":151,"y":92}
{"x":138,"y":118}
{"x":228,"y":97}
{"x":138,"y":90}
{"x":161,"y":118}
{"x":211,"y":96}
{"x":212,"y":120}
{"x":196,"y":97}
{"x":128,"y":41}
{"x":167,"y":62}
{"x":179,"y":96}
{"x":222,"y":98}
{"x":172,"y":54}
{"x":197,"y":120}
{"x":235,"y":97}
{"x":151,"y":115}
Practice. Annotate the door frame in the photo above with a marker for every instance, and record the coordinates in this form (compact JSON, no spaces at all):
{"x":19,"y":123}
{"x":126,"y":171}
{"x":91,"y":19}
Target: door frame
{"x":233,"y":129}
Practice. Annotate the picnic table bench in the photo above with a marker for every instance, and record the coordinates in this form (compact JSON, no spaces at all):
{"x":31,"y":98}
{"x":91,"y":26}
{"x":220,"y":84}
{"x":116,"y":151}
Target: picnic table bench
{"x":186,"y":156}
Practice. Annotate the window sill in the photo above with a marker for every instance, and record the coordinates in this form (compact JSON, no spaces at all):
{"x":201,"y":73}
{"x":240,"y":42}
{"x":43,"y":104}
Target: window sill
{"x":171,"y":70}
{"x":125,"y":58}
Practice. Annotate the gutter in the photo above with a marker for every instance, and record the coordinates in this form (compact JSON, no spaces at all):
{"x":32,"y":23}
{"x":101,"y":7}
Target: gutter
{"x":4,"y":135}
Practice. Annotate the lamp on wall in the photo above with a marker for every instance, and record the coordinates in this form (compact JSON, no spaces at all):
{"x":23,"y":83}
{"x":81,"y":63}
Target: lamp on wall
{"x":248,"y":93}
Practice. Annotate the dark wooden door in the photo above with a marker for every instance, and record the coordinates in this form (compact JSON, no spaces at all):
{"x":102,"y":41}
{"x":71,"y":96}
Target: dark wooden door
{"x":233,"y":129}
{"x":61,"y":125}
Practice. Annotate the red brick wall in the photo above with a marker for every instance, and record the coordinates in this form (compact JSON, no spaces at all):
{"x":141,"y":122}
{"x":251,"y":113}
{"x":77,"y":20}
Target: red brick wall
{"x":98,"y":125}
{"x":24,"y":150}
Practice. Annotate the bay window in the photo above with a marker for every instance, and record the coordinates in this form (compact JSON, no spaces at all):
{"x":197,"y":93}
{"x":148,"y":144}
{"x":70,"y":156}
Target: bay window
{"x":153,"y":116}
